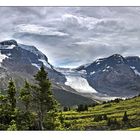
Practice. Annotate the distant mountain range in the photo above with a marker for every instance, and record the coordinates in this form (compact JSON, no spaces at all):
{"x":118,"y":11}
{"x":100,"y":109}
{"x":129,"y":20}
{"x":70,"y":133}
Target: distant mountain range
{"x":104,"y":79}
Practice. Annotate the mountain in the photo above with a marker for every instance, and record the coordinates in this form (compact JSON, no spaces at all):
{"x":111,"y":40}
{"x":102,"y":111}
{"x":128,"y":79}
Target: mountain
{"x":20,"y":62}
{"x":104,"y":79}
{"x":24,"y":58}
{"x":114,"y":76}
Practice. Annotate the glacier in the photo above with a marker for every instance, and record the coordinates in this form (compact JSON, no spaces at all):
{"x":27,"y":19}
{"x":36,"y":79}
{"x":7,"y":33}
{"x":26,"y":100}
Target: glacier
{"x":80,"y":84}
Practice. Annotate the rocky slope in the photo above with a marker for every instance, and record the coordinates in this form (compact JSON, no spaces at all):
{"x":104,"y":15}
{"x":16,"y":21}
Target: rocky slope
{"x":20,"y":62}
{"x":115,"y":75}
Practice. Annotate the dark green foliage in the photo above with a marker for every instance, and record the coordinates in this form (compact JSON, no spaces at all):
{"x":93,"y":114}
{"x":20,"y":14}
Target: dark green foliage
{"x":38,"y":111}
{"x":61,"y":118}
{"x":26,"y":120}
{"x":125,"y":118}
{"x":12,"y":126}
{"x":117,"y":100}
{"x":11,"y":95}
{"x":86,"y":108}
{"x":26,"y":96}
{"x":93,"y":104}
{"x":44,"y":100}
{"x":104,"y":117}
{"x":101,"y":117}
{"x":113,"y":123}
{"x":8,"y":107}
{"x":52,"y":121}
{"x":82,"y":107}
{"x":66,"y":108}
{"x":6,"y":116}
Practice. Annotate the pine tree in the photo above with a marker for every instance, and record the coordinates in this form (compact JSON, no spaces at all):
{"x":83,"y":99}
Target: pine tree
{"x":26,"y":95}
{"x":86,"y":108}
{"x":12,"y":95}
{"x":66,"y":108}
{"x":26,"y":116}
{"x":125,"y":117}
{"x":9,"y":105}
{"x":43,"y":97}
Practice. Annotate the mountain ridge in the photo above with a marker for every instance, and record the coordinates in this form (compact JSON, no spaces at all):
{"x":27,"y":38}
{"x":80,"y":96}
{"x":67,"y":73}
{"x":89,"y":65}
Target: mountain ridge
{"x":116,"y":71}
{"x":22,"y":62}
{"x":103,"y":79}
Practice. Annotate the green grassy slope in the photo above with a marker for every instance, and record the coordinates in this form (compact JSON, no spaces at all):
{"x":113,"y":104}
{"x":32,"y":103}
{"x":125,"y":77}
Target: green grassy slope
{"x":86,"y":120}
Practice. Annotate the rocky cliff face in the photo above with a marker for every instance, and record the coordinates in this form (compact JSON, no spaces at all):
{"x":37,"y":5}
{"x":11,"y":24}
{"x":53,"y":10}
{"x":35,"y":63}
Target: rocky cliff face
{"x":114,"y":76}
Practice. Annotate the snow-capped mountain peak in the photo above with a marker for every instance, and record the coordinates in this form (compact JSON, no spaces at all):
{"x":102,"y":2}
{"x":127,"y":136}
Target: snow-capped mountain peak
{"x":10,"y":49}
{"x":27,"y":59}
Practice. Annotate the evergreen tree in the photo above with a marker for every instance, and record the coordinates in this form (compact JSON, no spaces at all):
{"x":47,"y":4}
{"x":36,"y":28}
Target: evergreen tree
{"x":108,"y":122}
{"x":125,"y":117}
{"x":8,"y":107}
{"x":11,"y":98}
{"x":12,"y":95}
{"x":86,"y":108}
{"x":80,"y":107}
{"x":26,"y":116}
{"x":5,"y":113}
{"x":43,"y":97}
{"x":26,"y":96}
{"x":65,"y":108}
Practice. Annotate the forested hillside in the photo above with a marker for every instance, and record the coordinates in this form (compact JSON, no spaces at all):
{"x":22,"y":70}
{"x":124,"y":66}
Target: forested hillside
{"x":33,"y":107}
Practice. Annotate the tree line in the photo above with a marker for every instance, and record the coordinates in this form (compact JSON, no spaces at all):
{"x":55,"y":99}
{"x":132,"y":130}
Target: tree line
{"x":32,"y":108}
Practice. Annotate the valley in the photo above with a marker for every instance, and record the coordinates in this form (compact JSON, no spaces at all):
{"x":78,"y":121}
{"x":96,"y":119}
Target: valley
{"x":107,"y":87}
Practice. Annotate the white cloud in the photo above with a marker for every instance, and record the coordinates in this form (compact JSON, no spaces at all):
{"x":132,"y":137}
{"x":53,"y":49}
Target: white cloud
{"x":38,"y":30}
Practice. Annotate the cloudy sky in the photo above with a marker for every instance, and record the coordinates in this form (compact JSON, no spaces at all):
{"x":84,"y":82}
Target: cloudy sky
{"x":71,"y":36}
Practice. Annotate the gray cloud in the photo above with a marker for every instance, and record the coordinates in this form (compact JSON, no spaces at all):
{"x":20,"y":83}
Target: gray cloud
{"x":71,"y":36}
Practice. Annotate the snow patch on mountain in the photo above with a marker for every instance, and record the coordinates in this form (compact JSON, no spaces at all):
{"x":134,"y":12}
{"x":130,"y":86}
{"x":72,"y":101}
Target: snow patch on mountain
{"x":2,"y":57}
{"x":80,"y":84}
{"x":82,"y":71}
{"x":136,"y":72}
{"x":132,"y":67}
{"x":34,"y":64}
{"x":45,"y":63}
{"x":11,"y":46}
{"x":91,"y":73}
